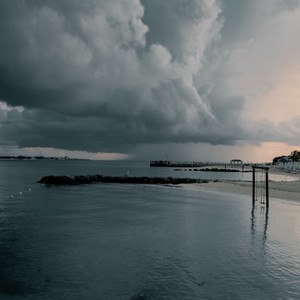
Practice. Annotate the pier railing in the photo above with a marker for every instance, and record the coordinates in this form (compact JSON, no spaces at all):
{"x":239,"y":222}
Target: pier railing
{"x":186,"y":164}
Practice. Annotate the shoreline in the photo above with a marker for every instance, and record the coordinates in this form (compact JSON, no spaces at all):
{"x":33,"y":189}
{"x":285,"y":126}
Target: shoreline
{"x":284,"y":190}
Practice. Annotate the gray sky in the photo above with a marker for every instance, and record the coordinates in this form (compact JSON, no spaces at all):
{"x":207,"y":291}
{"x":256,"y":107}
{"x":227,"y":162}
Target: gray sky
{"x":205,"y":79}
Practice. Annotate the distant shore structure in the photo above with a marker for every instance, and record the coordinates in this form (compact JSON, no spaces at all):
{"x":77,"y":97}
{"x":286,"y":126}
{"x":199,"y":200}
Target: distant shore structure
{"x":178,"y":164}
{"x":192,"y":164}
{"x":236,"y":162}
{"x":23,"y":157}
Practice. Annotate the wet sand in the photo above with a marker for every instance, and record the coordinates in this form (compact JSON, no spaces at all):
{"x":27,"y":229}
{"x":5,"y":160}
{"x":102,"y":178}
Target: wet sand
{"x":286,"y":190}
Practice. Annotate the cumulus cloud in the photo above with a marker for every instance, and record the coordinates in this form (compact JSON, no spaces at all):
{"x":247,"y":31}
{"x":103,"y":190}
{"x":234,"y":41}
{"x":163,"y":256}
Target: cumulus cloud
{"x":109,"y":75}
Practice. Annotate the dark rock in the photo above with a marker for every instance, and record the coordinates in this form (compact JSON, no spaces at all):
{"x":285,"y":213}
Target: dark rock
{"x":88,"y":179}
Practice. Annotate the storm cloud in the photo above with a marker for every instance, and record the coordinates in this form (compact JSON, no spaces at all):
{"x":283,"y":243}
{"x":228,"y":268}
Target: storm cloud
{"x":105,"y":76}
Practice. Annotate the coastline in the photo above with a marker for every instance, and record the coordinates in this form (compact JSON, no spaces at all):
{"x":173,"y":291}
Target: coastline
{"x":285,"y":190}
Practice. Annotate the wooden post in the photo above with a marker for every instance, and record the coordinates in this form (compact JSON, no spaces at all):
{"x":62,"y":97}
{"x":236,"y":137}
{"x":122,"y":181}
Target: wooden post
{"x":267,"y":188}
{"x":266,"y":169}
{"x":253,"y":186}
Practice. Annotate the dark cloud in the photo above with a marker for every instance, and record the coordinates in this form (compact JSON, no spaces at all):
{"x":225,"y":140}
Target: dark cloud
{"x":109,"y":75}
{"x":289,"y":4}
{"x":41,"y":128}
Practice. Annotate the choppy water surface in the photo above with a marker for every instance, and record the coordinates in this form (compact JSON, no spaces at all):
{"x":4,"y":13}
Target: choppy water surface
{"x":140,"y":242}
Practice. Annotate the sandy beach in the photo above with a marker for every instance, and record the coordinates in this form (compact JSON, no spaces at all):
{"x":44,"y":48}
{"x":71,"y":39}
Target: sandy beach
{"x":286,"y":190}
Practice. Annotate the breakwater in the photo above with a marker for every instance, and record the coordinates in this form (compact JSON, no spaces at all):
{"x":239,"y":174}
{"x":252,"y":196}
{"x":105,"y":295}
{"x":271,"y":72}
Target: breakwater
{"x":88,"y":179}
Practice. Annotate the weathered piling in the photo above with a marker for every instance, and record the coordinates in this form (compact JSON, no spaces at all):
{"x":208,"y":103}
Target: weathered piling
{"x":266,"y":171}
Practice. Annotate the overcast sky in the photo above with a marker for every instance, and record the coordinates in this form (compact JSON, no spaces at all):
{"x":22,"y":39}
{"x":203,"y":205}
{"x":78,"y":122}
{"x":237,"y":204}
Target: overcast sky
{"x":193,"y":79}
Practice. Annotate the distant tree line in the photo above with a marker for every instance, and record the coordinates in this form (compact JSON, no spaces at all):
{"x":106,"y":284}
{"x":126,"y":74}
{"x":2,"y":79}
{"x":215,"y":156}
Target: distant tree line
{"x":23,"y":157}
{"x":294,"y":156}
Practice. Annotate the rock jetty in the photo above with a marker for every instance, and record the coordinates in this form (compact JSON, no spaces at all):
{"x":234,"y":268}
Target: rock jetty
{"x":88,"y":179}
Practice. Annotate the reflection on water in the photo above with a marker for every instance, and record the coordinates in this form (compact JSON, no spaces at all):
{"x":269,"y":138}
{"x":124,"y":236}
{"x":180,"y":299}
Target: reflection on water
{"x":260,"y":215}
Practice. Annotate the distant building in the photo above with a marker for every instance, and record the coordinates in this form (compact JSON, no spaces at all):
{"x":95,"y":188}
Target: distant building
{"x":236,"y":162}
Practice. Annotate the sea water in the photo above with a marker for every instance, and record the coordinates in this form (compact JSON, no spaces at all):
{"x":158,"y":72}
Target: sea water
{"x":135,"y":242}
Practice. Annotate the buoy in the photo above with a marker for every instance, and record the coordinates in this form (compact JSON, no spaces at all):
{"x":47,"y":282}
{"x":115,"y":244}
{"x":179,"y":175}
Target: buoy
{"x":11,"y":196}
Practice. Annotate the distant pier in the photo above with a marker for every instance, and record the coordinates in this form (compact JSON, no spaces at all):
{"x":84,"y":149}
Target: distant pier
{"x":196,"y":164}
{"x":178,"y":164}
